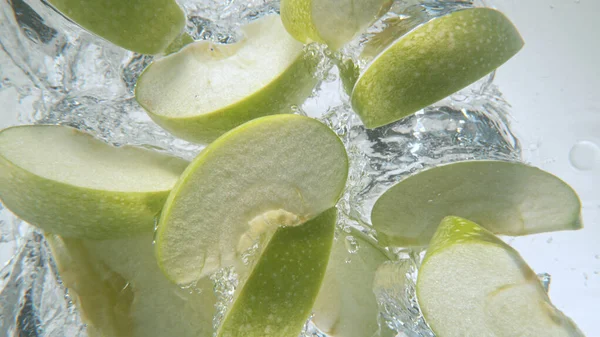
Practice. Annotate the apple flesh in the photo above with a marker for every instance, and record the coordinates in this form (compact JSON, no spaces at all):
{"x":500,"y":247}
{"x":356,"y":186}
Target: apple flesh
{"x":471,"y":283}
{"x":504,"y":197}
{"x":66,"y":182}
{"x":207,"y":89}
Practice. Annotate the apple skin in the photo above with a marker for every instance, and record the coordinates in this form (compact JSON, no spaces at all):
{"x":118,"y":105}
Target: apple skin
{"x":277,"y":298}
{"x":142,"y":26}
{"x":433,"y":61}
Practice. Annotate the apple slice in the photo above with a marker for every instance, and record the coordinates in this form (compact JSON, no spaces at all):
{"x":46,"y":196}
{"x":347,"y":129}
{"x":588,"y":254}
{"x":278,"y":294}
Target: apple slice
{"x":346,"y":305}
{"x":142,"y":26}
{"x":505,"y":197}
{"x":432,"y":62}
{"x":206,"y":89}
{"x":282,"y":169}
{"x":121,"y":292}
{"x":473,"y":284}
{"x":68,"y":183}
{"x":333,"y":22}
{"x":277,"y":297}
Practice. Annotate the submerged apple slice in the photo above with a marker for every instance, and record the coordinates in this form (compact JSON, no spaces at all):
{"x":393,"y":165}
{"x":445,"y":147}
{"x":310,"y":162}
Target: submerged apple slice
{"x":504,"y":197}
{"x":274,"y":170}
{"x":121,"y":292}
{"x":206,"y":89}
{"x":277,"y":297}
{"x":473,"y":284}
{"x":432,"y":62}
{"x":68,"y":183}
{"x":333,"y":22}
{"x":346,"y":305}
{"x":142,"y":26}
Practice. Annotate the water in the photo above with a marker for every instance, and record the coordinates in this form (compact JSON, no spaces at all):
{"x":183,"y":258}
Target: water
{"x":53,"y":72}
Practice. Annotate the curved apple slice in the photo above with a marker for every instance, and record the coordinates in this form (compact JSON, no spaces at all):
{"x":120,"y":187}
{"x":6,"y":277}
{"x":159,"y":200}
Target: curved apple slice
{"x":333,"y":22}
{"x":68,"y":183}
{"x":504,"y":197}
{"x":121,"y":292}
{"x":471,"y":283}
{"x":346,"y":305}
{"x":207,"y":89}
{"x":281,"y":169}
{"x":142,"y":26}
{"x":432,"y":62}
{"x":277,"y":297}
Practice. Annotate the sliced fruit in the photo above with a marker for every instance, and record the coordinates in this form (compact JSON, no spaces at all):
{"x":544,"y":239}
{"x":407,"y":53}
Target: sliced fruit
{"x":287,"y":168}
{"x":121,"y":292}
{"x":504,"y":197}
{"x":68,"y":183}
{"x":277,"y":297}
{"x":333,"y":22}
{"x":142,"y":26}
{"x":346,"y":305}
{"x":473,"y":284}
{"x":207,"y":89}
{"x":432,"y":62}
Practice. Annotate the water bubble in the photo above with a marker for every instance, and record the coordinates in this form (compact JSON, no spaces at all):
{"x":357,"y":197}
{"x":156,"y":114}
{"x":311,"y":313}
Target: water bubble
{"x":585,"y":155}
{"x":351,"y":244}
{"x":545,"y":279}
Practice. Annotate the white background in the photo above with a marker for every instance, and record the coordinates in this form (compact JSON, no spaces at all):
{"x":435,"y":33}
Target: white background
{"x":554,"y":88}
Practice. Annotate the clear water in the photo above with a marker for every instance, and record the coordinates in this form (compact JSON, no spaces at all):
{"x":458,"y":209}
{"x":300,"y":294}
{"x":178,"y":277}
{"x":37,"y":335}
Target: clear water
{"x":54,"y":72}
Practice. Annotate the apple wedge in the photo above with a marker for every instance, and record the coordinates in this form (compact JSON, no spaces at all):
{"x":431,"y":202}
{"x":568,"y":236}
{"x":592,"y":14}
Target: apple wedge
{"x":473,"y":284}
{"x":272,"y":171}
{"x":333,"y":22}
{"x":121,"y":292}
{"x":433,"y":61}
{"x":346,"y":305}
{"x":207,"y":89}
{"x":66,"y":182}
{"x":504,"y":197}
{"x":276,"y":299}
{"x":142,"y":26}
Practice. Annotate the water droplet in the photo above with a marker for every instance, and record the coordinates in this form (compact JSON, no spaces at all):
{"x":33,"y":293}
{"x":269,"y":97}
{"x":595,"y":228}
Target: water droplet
{"x":545,"y":278}
{"x":585,"y":155}
{"x":351,"y":244}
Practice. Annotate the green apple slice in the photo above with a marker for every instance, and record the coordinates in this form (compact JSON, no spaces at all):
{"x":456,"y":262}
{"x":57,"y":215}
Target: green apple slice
{"x":346,"y":305}
{"x":473,"y":284}
{"x":505,"y":197}
{"x":333,"y":22}
{"x":142,"y":26}
{"x":206,"y":89}
{"x":432,"y":62}
{"x":277,"y":297}
{"x":68,"y":183}
{"x":275,"y":169}
{"x":121,"y":292}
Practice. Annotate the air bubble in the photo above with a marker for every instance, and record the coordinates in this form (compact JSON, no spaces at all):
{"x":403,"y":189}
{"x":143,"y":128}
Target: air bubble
{"x":585,"y":155}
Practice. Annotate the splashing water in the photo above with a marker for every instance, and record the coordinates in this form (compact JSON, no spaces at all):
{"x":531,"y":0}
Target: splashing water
{"x":54,"y":72}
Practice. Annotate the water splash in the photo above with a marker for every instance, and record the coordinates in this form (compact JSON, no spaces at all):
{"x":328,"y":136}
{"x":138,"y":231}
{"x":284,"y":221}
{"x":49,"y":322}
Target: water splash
{"x":395,"y":290}
{"x":31,"y":280}
{"x":56,"y":73}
